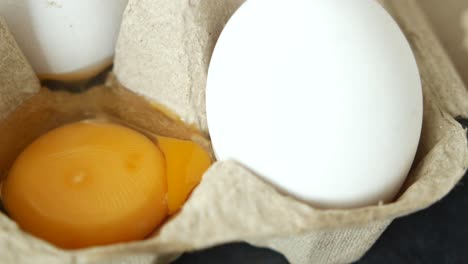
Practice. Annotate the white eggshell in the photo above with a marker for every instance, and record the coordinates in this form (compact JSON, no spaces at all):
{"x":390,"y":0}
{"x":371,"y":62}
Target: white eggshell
{"x":64,"y":36}
{"x":321,"y":98}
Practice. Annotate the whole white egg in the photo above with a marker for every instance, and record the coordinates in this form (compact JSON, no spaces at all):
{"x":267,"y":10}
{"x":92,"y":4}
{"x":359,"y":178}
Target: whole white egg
{"x":65,"y":39}
{"x":321,"y":98}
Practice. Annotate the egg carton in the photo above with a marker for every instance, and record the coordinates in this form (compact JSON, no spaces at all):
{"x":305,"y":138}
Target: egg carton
{"x":163,"y":54}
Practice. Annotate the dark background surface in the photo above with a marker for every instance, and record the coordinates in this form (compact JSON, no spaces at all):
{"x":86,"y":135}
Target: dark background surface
{"x":436,"y":235}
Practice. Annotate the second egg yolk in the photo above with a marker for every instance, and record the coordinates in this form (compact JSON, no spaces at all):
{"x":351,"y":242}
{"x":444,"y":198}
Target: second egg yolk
{"x":185,"y":164}
{"x":91,"y":183}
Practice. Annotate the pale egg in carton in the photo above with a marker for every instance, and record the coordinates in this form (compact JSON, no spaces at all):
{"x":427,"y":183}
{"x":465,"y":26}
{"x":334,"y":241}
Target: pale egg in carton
{"x":162,"y":56}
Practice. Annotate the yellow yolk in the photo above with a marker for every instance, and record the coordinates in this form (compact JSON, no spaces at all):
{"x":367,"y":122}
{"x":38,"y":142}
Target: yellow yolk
{"x":87,"y":184}
{"x":93,"y":183}
{"x":185,"y":164}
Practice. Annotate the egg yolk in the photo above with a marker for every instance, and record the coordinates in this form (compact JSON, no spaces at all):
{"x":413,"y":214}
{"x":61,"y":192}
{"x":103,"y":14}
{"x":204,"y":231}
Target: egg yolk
{"x":91,"y":183}
{"x":185,"y":164}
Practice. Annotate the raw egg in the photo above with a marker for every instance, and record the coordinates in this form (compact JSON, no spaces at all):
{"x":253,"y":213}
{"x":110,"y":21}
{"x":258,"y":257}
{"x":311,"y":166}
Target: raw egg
{"x":185,"y":164}
{"x":94,"y":183}
{"x":65,"y":39}
{"x":320,"y":98}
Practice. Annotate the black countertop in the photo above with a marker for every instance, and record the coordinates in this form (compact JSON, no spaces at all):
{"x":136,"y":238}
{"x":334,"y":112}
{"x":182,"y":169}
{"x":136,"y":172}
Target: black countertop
{"x":436,"y":235}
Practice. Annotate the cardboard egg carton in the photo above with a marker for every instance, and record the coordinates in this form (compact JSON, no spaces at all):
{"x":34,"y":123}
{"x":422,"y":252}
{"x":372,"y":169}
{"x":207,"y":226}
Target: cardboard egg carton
{"x":162,"y":56}
{"x":449,"y":20}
